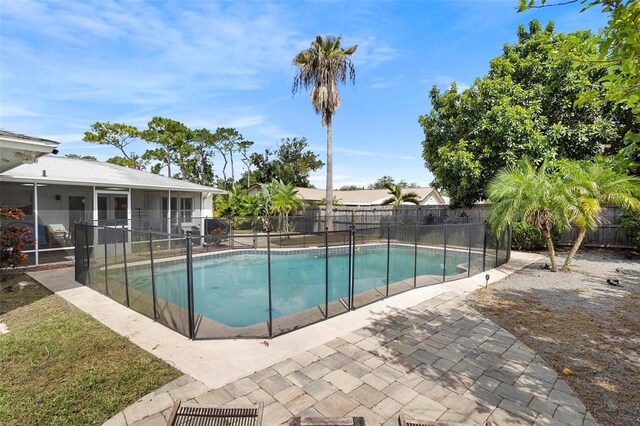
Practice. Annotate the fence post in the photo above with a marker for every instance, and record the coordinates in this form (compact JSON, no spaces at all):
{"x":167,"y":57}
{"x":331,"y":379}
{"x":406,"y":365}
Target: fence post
{"x":484,"y":248}
{"x":190,"y":285}
{"x":469,"y":226}
{"x":415,"y":256}
{"x":126,"y":273}
{"x":497,"y":247}
{"x":269,"y":280}
{"x":86,"y":241}
{"x":509,"y":242}
{"x":106,"y":274}
{"x":153,"y":277}
{"x":349,"y":261}
{"x":353,"y":268}
{"x":388,"y":254}
{"x":326,"y":273}
{"x":444,"y":263}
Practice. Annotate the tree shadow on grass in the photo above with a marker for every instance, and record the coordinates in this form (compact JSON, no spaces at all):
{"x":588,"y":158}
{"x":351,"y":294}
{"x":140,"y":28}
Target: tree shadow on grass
{"x":13,"y":295}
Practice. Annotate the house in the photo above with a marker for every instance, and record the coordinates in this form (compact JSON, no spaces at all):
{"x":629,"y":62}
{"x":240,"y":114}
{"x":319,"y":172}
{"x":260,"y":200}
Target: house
{"x":16,"y":149}
{"x":369,"y":197}
{"x":56,"y":192}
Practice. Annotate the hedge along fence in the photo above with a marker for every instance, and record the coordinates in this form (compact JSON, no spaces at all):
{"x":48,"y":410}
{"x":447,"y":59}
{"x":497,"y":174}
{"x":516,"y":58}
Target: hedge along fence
{"x":609,"y":234}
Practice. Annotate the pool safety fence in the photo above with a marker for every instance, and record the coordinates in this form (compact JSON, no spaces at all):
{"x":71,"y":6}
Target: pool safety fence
{"x":261,"y":285}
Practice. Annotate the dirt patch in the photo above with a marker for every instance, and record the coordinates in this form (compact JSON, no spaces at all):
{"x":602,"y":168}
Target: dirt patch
{"x":580,"y":322}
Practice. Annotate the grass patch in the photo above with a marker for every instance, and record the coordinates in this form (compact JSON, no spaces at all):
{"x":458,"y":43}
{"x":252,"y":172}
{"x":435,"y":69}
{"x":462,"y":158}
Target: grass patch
{"x":60,"y":366}
{"x":13,"y":296}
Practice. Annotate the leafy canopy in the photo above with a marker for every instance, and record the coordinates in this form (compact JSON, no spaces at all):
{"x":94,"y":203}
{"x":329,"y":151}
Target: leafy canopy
{"x":524,"y":106}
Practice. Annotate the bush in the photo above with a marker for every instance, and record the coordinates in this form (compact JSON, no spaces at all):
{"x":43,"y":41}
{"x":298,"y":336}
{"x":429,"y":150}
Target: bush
{"x":631,"y":222}
{"x":527,"y":237}
{"x":13,"y":238}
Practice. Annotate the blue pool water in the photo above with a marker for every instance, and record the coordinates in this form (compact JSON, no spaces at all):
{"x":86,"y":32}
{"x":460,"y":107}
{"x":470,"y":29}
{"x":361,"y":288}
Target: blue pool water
{"x":233,"y":290}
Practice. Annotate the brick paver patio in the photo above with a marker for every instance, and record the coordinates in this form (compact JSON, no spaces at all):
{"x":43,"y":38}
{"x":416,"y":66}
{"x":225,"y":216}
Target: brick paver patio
{"x":439,"y":360}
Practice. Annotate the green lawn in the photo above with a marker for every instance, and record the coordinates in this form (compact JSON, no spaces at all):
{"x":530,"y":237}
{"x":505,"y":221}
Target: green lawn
{"x":60,"y":366}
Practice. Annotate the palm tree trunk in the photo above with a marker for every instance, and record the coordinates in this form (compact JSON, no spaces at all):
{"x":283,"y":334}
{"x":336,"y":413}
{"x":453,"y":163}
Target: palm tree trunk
{"x":574,"y":250}
{"x":552,"y":252}
{"x":329,"y":206}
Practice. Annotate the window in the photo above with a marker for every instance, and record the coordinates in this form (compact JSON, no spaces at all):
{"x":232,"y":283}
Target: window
{"x":186,"y":209}
{"x":174,"y":207}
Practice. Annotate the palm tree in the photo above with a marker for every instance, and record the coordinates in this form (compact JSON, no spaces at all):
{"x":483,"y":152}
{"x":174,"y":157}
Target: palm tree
{"x":592,"y":184}
{"x":396,"y":197}
{"x":535,"y":195}
{"x":321,"y":67}
{"x":284,"y":201}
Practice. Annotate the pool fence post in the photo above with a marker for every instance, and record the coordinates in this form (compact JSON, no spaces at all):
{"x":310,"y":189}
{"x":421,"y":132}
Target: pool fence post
{"x":444,"y":264}
{"x":86,"y":241}
{"x":269,"y":281}
{"x":353,"y":268}
{"x":349,"y":273}
{"x":326,"y":272}
{"x":415,"y":256}
{"x":484,"y":248}
{"x":388,"y":254}
{"x":469,"y":227}
{"x":124,"y":258}
{"x":190,"y":284}
{"x":153,"y":277}
{"x":106,"y":275}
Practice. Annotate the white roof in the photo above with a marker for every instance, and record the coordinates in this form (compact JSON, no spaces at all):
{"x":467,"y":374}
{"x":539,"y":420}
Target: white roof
{"x":16,"y":149}
{"x":74,"y":171}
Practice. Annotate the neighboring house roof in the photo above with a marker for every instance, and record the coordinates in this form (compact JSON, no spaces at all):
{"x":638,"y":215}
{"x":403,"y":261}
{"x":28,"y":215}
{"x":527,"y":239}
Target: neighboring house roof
{"x":74,"y":171}
{"x":16,"y":149}
{"x":370,"y":197}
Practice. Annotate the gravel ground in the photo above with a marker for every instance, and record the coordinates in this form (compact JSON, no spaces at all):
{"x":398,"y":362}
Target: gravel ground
{"x":580,"y":322}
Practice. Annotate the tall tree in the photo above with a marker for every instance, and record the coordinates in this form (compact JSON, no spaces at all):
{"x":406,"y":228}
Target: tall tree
{"x":321,"y":67}
{"x":525,"y":106}
{"x":119,"y":136}
{"x":291,"y":162}
{"x":174,"y":140}
{"x":397,"y":197}
{"x":532,"y":194}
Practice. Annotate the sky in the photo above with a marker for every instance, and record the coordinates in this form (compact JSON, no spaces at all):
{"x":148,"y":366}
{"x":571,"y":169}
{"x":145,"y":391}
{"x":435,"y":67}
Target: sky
{"x":65,"y":65}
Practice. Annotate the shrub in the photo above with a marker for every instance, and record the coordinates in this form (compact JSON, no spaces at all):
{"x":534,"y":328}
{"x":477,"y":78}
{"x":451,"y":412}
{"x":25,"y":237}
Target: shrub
{"x":13,"y":238}
{"x":631,"y":222}
{"x":526,"y":237}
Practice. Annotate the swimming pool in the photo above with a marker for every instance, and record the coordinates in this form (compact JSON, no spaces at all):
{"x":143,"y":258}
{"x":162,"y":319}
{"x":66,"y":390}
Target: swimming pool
{"x":233,"y":288}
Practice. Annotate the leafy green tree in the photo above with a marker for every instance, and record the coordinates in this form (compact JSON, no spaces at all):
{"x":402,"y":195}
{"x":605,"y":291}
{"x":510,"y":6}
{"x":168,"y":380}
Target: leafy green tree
{"x":618,"y":49}
{"x":119,"y":136}
{"x":290,"y":162}
{"x":535,"y":195}
{"x":321,"y":67}
{"x":525,"y":106}
{"x":81,"y":157}
{"x":591,"y":185}
{"x":350,"y":188}
{"x":397,"y":197}
{"x":381,"y":183}
{"x":175,"y":147}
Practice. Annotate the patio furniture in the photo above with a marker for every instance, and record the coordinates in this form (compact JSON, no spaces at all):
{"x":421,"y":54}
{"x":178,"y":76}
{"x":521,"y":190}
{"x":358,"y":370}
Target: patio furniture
{"x":328,"y":421}
{"x":58,"y":232}
{"x":209,"y":415}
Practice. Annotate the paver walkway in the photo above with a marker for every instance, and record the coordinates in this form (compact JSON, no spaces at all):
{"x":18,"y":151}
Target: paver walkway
{"x":438,"y":360}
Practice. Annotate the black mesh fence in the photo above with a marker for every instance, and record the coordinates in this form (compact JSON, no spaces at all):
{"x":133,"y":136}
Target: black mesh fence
{"x":263,"y":284}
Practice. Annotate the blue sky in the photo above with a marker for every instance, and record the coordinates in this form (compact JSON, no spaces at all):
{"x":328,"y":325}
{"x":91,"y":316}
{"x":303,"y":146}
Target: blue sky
{"x":65,"y":65}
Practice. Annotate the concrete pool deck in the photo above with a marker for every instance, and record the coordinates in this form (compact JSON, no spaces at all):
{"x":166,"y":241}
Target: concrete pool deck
{"x":389,"y":357}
